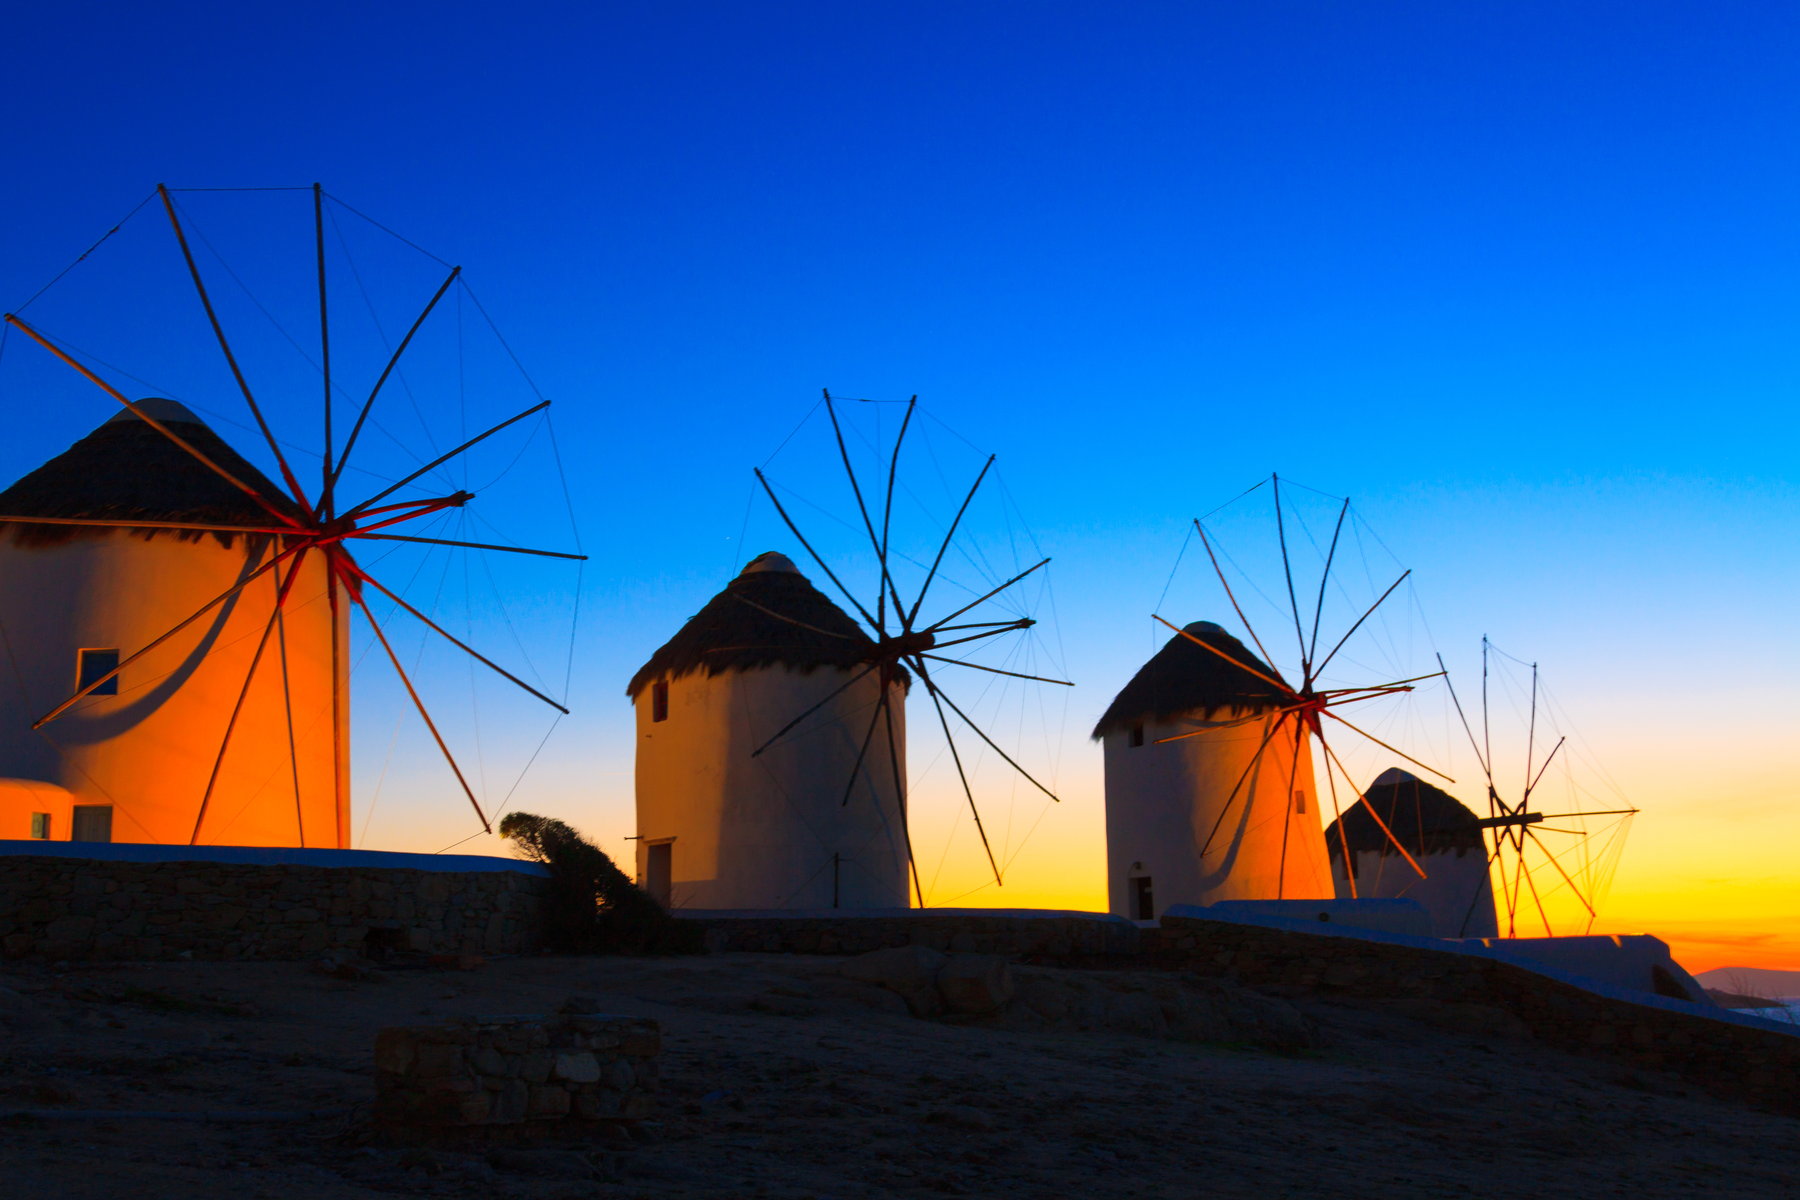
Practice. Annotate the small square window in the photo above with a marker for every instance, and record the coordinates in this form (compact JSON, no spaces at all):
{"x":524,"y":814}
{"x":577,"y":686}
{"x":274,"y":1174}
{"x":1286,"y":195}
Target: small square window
{"x":1299,"y":801}
{"x":1137,"y":735}
{"x":95,"y":664}
{"x":659,"y":700}
{"x":40,"y":827}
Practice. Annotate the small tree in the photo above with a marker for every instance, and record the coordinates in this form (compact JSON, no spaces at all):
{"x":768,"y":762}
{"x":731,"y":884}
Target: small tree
{"x":594,"y":907}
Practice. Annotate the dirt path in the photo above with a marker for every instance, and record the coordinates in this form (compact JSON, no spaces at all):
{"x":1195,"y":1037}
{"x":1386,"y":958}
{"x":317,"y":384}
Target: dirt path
{"x":776,"y":1085}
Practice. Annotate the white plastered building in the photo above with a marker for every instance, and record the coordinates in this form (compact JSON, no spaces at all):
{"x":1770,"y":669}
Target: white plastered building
{"x":802,"y":824}
{"x":1443,"y":836}
{"x":132,"y":761}
{"x":1229,"y":811}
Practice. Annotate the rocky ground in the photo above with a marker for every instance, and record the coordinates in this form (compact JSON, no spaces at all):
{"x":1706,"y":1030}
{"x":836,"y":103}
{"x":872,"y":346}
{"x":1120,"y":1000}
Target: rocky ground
{"x":782,"y":1078}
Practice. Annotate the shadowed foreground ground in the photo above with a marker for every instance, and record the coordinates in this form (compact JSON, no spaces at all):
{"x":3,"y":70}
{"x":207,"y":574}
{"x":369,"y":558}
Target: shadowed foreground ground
{"x":778,"y":1083}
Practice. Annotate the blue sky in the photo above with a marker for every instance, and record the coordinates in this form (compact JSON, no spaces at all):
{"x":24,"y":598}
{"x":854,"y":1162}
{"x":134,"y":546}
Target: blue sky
{"x":1521,"y":279}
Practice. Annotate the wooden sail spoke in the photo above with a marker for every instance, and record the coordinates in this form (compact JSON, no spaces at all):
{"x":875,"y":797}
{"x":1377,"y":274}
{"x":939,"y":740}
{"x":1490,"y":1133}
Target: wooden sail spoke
{"x":419,"y":508}
{"x":1331,"y":757}
{"x":261,"y":500}
{"x":1475,"y":900}
{"x":223,"y":596}
{"x":1275,"y":725}
{"x":424,"y":509}
{"x":1532,"y":786}
{"x":956,"y":757}
{"x":419,"y":704}
{"x":801,"y":538}
{"x":1392,"y":750}
{"x":957,"y":662}
{"x":441,"y":459}
{"x":1287,"y":821}
{"x":835,"y":693}
{"x":325,"y":498}
{"x":1399,"y":685}
{"x":1573,"y":887}
{"x":237,"y":709}
{"x":1536,"y":899}
{"x":1312,"y":644}
{"x":862,"y":752}
{"x":1245,"y":667}
{"x":1229,"y":594}
{"x":990,"y":741}
{"x":287,"y":705}
{"x":1015,"y":623}
{"x":427,"y":541}
{"x":980,"y":600}
{"x":212,"y":316}
{"x":950,"y":533}
{"x":337,"y":471}
{"x":1361,"y":619}
{"x":1468,"y":729}
{"x":893,"y":749}
{"x":887,"y":512}
{"x":875,"y":543}
{"x":1337,"y":823}
{"x":976,"y":637}
{"x":369,"y":579}
{"x":1287,"y":569}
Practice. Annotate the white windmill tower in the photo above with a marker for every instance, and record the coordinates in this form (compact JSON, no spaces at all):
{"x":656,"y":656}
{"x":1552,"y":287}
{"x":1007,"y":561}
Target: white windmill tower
{"x":772,"y":728}
{"x":1200,"y":756}
{"x":116,"y":558}
{"x":1210,"y":790}
{"x":723,"y":826}
{"x":177,"y":625}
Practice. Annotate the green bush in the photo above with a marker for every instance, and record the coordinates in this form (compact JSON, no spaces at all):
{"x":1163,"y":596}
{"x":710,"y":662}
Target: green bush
{"x":594,"y":907}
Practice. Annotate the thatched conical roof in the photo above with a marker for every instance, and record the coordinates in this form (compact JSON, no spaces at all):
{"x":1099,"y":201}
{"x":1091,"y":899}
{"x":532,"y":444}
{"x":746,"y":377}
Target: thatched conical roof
{"x":1426,"y":819}
{"x":1184,"y":678}
{"x":126,"y":470}
{"x":770,"y":615}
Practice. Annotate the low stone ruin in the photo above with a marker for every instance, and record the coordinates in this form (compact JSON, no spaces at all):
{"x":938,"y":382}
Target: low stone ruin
{"x":507,"y":1070}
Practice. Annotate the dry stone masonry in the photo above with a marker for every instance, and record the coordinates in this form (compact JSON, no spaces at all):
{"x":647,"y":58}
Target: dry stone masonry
{"x":83,"y":909}
{"x":509,"y":1070}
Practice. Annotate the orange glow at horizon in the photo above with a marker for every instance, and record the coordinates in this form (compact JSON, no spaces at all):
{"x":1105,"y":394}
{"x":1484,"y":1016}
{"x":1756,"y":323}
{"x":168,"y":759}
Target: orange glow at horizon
{"x":1717,"y":898}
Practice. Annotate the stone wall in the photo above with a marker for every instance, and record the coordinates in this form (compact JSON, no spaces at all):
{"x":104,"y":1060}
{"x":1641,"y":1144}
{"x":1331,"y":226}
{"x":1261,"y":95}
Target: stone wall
{"x":951,"y":931}
{"x":1738,"y":1060}
{"x":63,"y":907}
{"x":510,"y":1070}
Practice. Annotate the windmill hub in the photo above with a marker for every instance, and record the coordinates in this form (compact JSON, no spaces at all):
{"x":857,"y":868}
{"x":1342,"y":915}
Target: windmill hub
{"x":894,"y":648}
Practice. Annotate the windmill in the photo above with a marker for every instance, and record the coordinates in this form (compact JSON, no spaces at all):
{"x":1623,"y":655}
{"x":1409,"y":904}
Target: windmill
{"x":799,"y":702}
{"x":1516,"y":825}
{"x":279,"y":542}
{"x":1226,"y":806}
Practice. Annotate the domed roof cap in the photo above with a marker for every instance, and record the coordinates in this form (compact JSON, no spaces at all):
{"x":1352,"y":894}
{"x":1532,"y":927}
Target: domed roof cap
{"x":1426,"y":819}
{"x":769,"y":616}
{"x":770,"y":560}
{"x":127,"y":469}
{"x":1184,"y":679}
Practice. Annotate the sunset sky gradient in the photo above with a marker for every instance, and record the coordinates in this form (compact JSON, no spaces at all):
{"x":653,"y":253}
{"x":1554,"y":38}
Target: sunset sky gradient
{"x":1523,"y":280}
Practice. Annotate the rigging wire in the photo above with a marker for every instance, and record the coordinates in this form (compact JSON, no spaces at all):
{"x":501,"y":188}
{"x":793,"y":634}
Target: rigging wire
{"x":82,"y":257}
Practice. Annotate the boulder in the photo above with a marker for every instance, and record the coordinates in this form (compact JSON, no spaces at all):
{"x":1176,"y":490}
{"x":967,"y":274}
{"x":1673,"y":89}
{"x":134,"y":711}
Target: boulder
{"x":908,"y":971}
{"x":977,"y":984}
